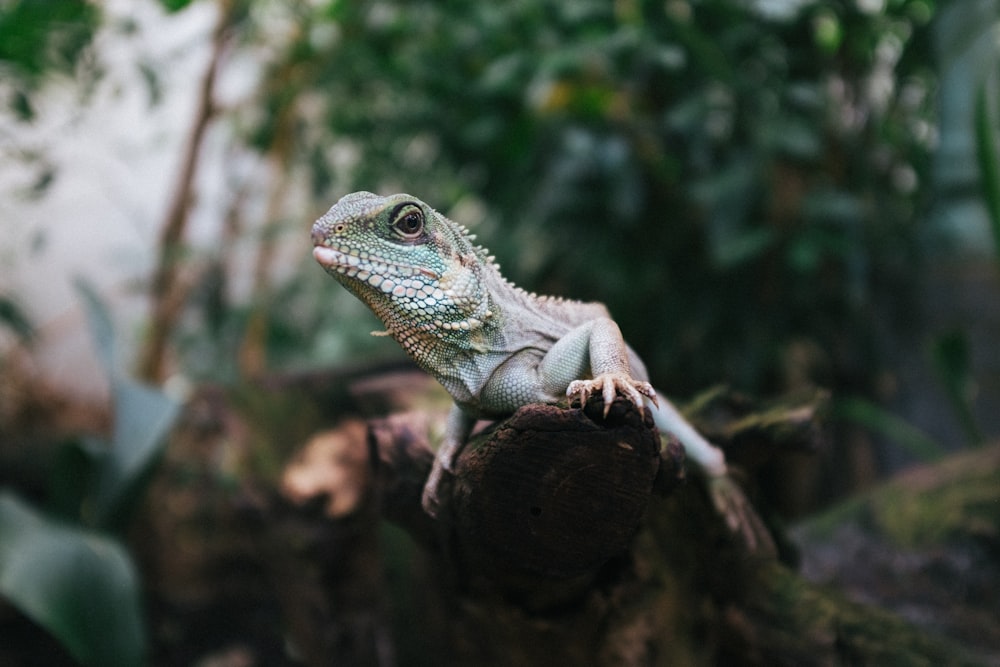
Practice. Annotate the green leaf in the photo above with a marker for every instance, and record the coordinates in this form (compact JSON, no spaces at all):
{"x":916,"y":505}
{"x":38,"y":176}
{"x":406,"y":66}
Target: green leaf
{"x":22,"y":106}
{"x":99,"y":320}
{"x":174,"y":5}
{"x":739,"y":248}
{"x":143,"y":417}
{"x":80,"y":587}
{"x":952,"y":360}
{"x":39,"y":37}
{"x":989,"y":162}
{"x":878,"y":419}
{"x":14,"y":317}
{"x":73,"y":476}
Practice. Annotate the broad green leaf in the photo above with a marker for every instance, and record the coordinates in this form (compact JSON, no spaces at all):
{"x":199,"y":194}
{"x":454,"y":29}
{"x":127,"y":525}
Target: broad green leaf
{"x":99,"y":321}
{"x":73,"y":475}
{"x":79,"y":586}
{"x":143,"y":417}
{"x":987,"y":145}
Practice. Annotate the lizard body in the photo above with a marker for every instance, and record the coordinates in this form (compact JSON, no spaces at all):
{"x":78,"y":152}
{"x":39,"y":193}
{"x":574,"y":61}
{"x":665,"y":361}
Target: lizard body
{"x":493,"y":346}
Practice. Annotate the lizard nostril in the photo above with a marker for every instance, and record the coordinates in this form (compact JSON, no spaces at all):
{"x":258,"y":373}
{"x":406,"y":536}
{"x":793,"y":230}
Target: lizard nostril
{"x":318,"y":237}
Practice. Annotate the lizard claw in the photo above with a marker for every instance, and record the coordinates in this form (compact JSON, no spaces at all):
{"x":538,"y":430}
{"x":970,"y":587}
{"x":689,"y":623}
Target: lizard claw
{"x":610,"y":384}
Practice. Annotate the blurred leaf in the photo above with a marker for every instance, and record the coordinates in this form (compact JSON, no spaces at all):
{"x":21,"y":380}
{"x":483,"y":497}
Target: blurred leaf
{"x":828,"y":31}
{"x":99,"y":321}
{"x":143,"y":418}
{"x":793,"y":137}
{"x":73,"y":476}
{"x":13,"y":317}
{"x":737,"y":249}
{"x":80,"y":587}
{"x":952,"y":360}
{"x":21,"y":105}
{"x":879,"y":420}
{"x":44,"y":179}
{"x":39,"y":35}
{"x":987,"y":145}
{"x":154,"y":84}
{"x":833,"y":206}
{"x":175,"y":5}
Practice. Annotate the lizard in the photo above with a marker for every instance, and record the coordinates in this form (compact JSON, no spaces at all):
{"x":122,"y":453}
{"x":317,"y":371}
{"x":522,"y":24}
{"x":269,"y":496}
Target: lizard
{"x":494,"y":346}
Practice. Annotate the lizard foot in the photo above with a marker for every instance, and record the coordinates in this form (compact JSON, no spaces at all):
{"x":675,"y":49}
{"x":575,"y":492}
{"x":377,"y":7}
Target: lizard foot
{"x":610,"y":384}
{"x":739,"y":515}
{"x":436,"y":488}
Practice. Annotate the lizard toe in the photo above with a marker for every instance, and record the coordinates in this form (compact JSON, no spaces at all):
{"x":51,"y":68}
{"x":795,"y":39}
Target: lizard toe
{"x":610,"y":385}
{"x":608,"y":394}
{"x":580,"y":389}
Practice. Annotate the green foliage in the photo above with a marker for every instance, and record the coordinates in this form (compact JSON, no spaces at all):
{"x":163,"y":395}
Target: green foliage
{"x":728,"y":180}
{"x":174,"y":5}
{"x":62,"y":569}
{"x":877,"y":419}
{"x":951,"y":359}
{"x":988,"y":154}
{"x":953,"y":501}
{"x":142,"y":418}
{"x":733,"y":178}
{"x":77,"y":584}
{"x":38,"y":37}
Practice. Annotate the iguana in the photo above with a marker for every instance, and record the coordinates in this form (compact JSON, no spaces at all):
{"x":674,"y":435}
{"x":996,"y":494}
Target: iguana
{"x":493,"y":346}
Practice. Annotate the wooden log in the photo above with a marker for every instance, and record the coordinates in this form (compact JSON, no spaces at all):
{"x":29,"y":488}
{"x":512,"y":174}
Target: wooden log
{"x":571,"y":539}
{"x":549,"y":494}
{"x":541,"y":503}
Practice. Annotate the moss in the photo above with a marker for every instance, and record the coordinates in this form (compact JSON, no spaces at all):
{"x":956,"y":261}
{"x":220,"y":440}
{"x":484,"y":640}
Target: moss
{"x":959,"y":497}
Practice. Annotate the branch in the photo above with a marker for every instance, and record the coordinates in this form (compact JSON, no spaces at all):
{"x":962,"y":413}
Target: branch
{"x":167,"y":295}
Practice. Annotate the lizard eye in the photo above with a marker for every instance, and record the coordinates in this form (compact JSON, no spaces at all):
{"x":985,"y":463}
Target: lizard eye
{"x":410,"y":222}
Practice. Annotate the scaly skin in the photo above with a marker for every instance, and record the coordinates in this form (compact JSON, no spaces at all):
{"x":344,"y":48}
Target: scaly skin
{"x":493,"y":346}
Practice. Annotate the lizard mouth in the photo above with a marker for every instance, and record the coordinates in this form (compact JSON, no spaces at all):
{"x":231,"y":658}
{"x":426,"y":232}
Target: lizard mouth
{"x":353,"y":266}
{"x":335,"y":260}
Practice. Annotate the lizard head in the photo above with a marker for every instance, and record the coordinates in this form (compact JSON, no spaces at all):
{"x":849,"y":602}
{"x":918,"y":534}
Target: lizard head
{"x":415,"y":268}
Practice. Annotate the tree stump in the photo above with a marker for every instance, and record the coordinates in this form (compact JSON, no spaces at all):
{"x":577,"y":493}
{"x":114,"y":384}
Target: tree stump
{"x":545,"y":500}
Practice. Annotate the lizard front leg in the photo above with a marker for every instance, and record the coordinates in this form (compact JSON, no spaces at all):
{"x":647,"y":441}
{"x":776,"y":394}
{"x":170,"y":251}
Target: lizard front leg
{"x":593,"y":358}
{"x":457,"y":429}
